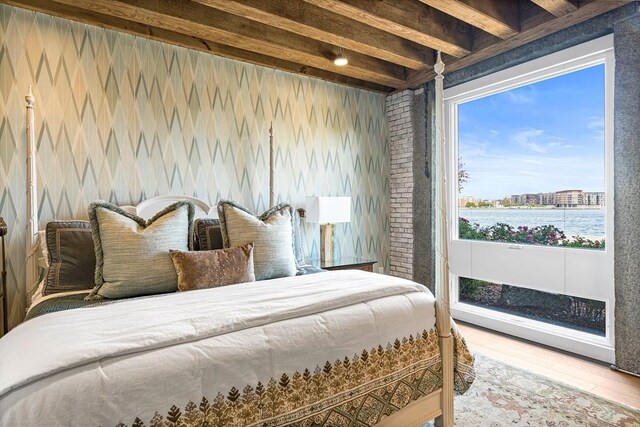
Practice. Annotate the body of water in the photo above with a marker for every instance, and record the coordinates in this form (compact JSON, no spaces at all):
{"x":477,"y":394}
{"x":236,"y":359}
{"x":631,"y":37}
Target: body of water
{"x":583,"y":222}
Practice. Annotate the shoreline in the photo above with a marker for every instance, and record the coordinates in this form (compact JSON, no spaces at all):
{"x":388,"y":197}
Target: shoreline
{"x":586,"y":223}
{"x":539,"y":208}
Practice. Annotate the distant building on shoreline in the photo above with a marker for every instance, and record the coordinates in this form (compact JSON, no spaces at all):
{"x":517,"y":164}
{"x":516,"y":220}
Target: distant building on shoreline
{"x":558,"y":199}
{"x":561,"y":199}
{"x":593,"y":198}
{"x":569,"y":198}
{"x":525,"y":199}
{"x":462,"y":201}
{"x":547,"y":198}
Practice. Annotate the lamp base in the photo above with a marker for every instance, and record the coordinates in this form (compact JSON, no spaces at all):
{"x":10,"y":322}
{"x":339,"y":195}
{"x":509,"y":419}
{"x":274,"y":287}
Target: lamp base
{"x":326,"y":242}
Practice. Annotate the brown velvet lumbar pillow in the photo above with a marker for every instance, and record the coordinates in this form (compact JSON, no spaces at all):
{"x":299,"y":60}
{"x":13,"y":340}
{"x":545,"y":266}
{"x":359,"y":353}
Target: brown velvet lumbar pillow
{"x":210,"y":269}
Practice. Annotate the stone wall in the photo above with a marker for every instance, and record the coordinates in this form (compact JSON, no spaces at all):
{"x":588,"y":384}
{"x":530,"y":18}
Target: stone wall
{"x":423,"y":193}
{"x":410,"y":219}
{"x":626,"y":159}
{"x":401,"y":141}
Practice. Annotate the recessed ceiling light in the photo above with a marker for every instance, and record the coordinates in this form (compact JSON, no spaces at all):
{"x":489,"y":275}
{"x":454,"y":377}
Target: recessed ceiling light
{"x":341,"y":60}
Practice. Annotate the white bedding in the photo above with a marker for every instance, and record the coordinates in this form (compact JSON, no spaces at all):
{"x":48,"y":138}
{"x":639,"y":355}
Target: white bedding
{"x":109,"y":364}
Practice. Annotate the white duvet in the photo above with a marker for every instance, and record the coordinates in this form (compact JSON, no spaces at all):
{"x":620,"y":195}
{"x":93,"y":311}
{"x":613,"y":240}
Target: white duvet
{"x":108,"y":364}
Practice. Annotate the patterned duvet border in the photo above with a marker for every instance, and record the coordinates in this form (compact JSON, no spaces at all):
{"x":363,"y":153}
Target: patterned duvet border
{"x":352,"y":392}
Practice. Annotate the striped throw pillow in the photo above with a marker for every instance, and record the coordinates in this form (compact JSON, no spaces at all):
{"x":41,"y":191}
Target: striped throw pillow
{"x":132,"y":255}
{"x":271,"y":234}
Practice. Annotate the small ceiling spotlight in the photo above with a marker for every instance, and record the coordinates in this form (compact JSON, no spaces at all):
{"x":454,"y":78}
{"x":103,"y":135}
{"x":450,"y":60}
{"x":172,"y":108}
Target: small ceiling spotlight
{"x":341,"y":59}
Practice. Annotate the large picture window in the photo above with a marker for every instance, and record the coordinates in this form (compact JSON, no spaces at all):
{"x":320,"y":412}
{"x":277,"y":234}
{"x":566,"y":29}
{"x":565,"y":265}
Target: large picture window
{"x":530,"y":174}
{"x":531,"y":167}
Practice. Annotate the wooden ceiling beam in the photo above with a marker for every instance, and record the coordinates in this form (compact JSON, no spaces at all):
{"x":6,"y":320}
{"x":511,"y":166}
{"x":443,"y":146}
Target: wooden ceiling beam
{"x":557,"y":7}
{"x":234,"y":35}
{"x":528,"y":34}
{"x":408,"y":19}
{"x":497,"y":17}
{"x":158,"y":34}
{"x":226,"y":29}
{"x":316,"y":23}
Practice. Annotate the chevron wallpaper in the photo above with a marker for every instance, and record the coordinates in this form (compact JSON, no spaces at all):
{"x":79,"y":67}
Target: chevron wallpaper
{"x":125,"y":118}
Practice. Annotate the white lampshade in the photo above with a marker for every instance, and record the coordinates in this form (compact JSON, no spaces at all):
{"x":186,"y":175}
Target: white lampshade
{"x":328,"y":210}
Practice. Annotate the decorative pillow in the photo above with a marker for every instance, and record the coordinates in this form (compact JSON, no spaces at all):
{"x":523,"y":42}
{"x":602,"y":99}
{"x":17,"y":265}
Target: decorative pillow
{"x":132,"y":255}
{"x":72,"y":261}
{"x":208,"y":236}
{"x":210,"y":269}
{"x":271,"y":234}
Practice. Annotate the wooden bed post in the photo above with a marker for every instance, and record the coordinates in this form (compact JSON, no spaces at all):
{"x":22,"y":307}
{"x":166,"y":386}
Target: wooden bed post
{"x":438,"y":404}
{"x":443,"y":319}
{"x":32,"y":201}
{"x":272,"y":194}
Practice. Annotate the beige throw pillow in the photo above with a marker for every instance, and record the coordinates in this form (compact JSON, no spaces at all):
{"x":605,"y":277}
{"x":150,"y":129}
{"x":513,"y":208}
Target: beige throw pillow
{"x":271,"y":234}
{"x":132,"y":255}
{"x":210,"y":269}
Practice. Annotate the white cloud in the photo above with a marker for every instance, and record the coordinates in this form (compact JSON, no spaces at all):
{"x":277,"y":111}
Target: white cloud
{"x":494,"y":177}
{"x":534,"y":162}
{"x":536,"y":141}
{"x":471,"y":145}
{"x":596,"y":125}
{"x":520,"y":96}
{"x":595,"y":122}
{"x":542,"y":149}
{"x":525,"y":135}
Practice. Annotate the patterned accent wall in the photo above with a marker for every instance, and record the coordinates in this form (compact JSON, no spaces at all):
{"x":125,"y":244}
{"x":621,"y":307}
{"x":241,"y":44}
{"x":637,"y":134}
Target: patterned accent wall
{"x":124,"y":118}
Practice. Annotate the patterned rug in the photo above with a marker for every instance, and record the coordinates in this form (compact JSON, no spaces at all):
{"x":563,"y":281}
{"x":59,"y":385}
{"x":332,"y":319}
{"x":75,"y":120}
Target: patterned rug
{"x":503,"y":395}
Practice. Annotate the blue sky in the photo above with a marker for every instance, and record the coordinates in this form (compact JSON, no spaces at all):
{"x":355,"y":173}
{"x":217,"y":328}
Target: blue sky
{"x":543,"y":137}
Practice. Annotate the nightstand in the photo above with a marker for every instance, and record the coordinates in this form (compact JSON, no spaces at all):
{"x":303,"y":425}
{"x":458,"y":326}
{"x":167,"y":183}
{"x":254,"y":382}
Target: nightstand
{"x":346,"y":263}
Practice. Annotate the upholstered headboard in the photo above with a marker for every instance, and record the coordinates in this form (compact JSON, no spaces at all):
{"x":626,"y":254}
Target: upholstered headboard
{"x":148,"y":208}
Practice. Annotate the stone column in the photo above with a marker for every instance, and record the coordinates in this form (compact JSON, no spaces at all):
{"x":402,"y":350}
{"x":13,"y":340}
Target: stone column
{"x":627,"y":193}
{"x":410,"y":218}
{"x":401,"y":132}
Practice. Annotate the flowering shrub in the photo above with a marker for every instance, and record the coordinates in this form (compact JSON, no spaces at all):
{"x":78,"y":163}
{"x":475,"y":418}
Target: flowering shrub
{"x":581,"y":242}
{"x":547,"y":235}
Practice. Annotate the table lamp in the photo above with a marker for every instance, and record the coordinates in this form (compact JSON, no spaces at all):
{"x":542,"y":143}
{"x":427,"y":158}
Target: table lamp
{"x":327,"y":211}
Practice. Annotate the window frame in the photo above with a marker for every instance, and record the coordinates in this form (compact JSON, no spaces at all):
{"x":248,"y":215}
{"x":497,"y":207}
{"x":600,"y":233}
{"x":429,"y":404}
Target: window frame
{"x":570,"y":267}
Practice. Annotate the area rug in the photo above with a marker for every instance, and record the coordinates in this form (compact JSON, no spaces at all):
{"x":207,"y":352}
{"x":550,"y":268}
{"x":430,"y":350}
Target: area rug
{"x":503,"y":395}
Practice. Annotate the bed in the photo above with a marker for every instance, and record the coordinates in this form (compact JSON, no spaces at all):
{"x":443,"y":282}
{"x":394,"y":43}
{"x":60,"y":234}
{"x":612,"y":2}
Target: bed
{"x":336,"y":348}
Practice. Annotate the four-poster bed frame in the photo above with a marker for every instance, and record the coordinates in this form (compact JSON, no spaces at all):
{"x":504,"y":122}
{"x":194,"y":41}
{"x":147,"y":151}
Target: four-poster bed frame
{"x":439,"y":404}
